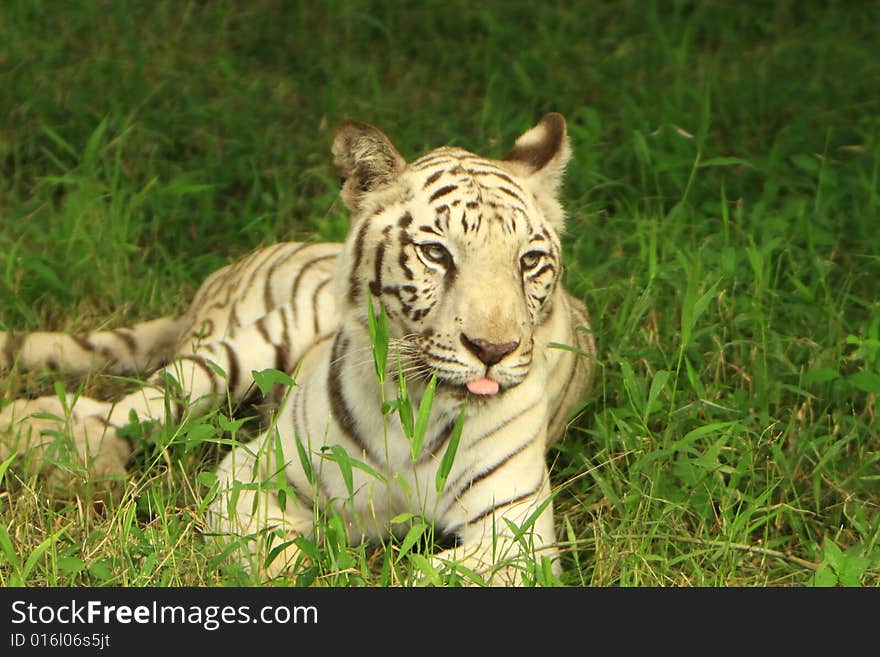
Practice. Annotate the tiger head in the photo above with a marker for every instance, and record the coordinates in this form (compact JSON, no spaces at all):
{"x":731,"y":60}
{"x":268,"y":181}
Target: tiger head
{"x":461,"y":251}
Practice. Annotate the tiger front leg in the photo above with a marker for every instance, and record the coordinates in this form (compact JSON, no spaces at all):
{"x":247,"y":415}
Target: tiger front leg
{"x":248,"y":511}
{"x":507,"y":545}
{"x":67,"y":441}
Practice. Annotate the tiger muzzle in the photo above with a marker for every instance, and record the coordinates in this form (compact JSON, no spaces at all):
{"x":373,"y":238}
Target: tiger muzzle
{"x":489,"y":353}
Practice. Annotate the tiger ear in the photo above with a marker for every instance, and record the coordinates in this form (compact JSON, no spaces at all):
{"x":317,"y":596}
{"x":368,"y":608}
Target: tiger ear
{"x":542,"y":152}
{"x":365,"y":159}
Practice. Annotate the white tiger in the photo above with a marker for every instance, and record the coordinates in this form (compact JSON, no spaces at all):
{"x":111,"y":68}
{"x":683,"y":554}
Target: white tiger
{"x":462,"y":253}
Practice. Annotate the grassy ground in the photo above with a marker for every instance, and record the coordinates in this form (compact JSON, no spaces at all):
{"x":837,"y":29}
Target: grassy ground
{"x":723,"y":209}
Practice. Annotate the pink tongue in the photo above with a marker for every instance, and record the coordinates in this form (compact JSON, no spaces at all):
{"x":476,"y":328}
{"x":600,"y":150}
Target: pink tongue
{"x":483,"y":386}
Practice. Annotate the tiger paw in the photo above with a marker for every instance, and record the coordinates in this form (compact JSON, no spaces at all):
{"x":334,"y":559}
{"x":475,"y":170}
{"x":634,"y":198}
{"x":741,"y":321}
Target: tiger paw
{"x":472,"y":566}
{"x":67,"y":443}
{"x":475,"y":566}
{"x":264,"y":558}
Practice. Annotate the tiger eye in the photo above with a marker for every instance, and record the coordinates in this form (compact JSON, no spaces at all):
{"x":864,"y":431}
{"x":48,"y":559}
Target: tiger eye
{"x":530,"y":260}
{"x":435,"y":252}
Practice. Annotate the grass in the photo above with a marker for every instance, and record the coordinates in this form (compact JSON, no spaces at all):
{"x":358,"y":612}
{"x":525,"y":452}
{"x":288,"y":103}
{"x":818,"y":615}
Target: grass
{"x":723,"y":202}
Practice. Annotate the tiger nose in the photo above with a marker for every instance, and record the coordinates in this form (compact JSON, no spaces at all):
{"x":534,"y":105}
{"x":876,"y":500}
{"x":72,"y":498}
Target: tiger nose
{"x":489,"y":353}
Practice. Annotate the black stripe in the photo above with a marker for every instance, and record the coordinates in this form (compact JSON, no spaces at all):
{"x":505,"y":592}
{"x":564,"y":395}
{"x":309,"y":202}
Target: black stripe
{"x":420,"y":313}
{"x":506,"y":422}
{"x":437,"y":444}
{"x":427,"y":160}
{"x":492,"y":432}
{"x":84,"y":343}
{"x":234,"y":321}
{"x":338,"y":407}
{"x":301,"y":273}
{"x":464,"y":223}
{"x":473,"y":481}
{"x":443,"y":191}
{"x":282,"y":357}
{"x":542,"y":270}
{"x":442,"y":359}
{"x":512,"y":193}
{"x":234,"y":279}
{"x":499,"y":174}
{"x":404,"y":240}
{"x":127,"y":338}
{"x":513,"y":222}
{"x":262,"y":330}
{"x":14,"y":341}
{"x":442,"y":214}
{"x":353,"y":286}
{"x":198,"y":360}
{"x":209,"y":287}
{"x":268,"y":254}
{"x":376,"y":283}
{"x":267,"y":285}
{"x":206,"y":330}
{"x":432,"y":178}
{"x":298,"y":394}
{"x":455,"y":529}
{"x":233,"y":370}
{"x":315,"y":313}
{"x":282,"y":349}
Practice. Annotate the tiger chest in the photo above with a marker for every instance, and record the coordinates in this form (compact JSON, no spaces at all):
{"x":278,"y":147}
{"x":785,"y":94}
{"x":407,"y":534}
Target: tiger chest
{"x":388,"y":478}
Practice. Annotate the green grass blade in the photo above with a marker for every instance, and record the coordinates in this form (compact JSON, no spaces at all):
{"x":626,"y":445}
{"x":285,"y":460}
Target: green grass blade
{"x":424,"y":415}
{"x":37,"y":553}
{"x":267,"y":379}
{"x":304,"y":459}
{"x":412,"y":536}
{"x":378,"y":327}
{"x":449,"y":455}
{"x":344,"y":462}
{"x":280,"y":474}
{"x":404,"y":406}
